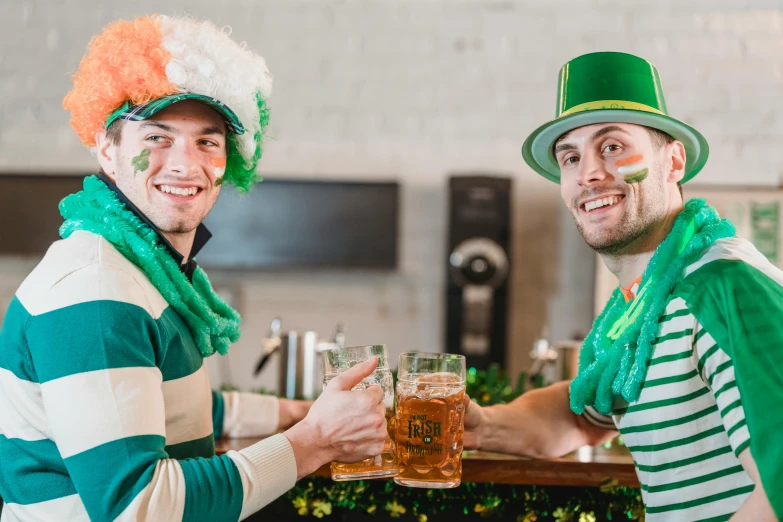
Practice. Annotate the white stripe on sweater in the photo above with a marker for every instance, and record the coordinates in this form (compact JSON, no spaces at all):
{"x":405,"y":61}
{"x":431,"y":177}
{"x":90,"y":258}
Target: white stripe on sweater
{"x":268,"y":469}
{"x":68,"y":509}
{"x":162,"y":499}
{"x":22,"y":414}
{"x":714,"y":509}
{"x":738,"y":249}
{"x":188,"y":407}
{"x":95,"y":270}
{"x":249,"y":414}
{"x":92,"y":408}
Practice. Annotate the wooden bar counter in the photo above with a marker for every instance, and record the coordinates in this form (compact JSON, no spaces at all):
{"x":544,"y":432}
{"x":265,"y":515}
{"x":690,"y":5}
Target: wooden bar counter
{"x":586,"y":467}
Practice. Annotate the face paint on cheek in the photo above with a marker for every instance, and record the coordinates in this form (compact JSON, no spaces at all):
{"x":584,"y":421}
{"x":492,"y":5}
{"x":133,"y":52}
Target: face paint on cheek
{"x":633,"y":168}
{"x":220,"y":169}
{"x":637,"y":177}
{"x":141,"y":162}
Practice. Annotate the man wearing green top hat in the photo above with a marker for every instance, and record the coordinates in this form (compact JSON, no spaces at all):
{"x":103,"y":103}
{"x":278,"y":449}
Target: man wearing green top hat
{"x":685,"y":360}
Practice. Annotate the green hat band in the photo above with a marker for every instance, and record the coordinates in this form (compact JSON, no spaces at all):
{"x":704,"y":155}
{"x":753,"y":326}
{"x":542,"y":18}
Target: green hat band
{"x":611,"y":104}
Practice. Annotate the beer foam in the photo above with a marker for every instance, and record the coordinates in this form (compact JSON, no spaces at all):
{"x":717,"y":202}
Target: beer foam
{"x":430,"y":385}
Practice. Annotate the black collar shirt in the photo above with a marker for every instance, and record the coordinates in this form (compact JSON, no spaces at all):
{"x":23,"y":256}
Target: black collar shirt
{"x":188,"y":267}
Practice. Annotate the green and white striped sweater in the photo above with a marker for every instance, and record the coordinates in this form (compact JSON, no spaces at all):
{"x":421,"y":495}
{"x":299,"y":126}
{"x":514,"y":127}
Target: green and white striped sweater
{"x":713,"y":389}
{"x":106,"y":412}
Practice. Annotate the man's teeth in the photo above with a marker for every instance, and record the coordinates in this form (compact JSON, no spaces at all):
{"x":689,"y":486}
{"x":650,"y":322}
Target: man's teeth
{"x":190,"y":191}
{"x":598,"y":203}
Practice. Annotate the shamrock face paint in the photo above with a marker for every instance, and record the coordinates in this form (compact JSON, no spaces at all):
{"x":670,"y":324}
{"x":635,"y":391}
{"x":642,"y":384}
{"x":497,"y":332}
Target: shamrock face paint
{"x":141,"y":162}
{"x":220,"y":169}
{"x":633,"y":168}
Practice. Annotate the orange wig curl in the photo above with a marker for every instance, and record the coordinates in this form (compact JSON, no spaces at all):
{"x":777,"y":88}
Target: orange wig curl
{"x":125,"y":62}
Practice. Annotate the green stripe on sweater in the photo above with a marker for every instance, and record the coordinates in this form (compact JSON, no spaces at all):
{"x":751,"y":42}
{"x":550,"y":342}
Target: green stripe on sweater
{"x":14,"y":356}
{"x":182,"y":357}
{"x":108,"y":477}
{"x":107,"y":334}
{"x":213,"y":490}
{"x":32,"y":471}
{"x":218,"y":412}
{"x":700,"y":501}
{"x":203,"y":447}
{"x":95,"y":335}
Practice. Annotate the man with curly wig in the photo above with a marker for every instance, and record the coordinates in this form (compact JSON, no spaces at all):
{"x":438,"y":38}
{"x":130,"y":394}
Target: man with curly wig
{"x":106,"y":412}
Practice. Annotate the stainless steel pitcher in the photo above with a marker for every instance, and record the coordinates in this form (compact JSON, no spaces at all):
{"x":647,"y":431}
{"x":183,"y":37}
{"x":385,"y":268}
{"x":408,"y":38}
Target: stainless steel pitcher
{"x":301,"y":365}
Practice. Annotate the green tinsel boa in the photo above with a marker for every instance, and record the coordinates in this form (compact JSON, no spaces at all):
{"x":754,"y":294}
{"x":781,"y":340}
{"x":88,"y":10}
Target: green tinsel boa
{"x":213,"y":323}
{"x":614,"y":357}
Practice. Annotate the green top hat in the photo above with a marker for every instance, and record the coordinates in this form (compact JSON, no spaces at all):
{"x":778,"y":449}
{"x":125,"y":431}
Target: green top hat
{"x":604,"y":88}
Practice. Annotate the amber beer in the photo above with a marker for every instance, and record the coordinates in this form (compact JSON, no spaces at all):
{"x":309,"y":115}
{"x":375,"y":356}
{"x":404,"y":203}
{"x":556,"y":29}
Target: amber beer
{"x":338,"y":360}
{"x":430,"y":420}
{"x":383,"y":465}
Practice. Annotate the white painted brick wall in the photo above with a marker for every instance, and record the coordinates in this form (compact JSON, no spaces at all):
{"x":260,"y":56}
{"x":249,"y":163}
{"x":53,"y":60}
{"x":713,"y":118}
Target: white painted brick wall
{"x":413,"y":90}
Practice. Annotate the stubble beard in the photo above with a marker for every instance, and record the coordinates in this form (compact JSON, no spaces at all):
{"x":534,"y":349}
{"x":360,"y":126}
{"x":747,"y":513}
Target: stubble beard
{"x":635,"y":224}
{"x":170,"y":224}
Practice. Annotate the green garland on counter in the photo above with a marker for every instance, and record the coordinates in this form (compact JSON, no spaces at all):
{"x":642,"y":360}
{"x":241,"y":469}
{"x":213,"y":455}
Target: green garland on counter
{"x":384,"y":500}
{"x":374,"y":500}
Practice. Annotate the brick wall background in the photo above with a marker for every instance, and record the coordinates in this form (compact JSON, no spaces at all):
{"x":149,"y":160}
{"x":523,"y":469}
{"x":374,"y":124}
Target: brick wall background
{"x":414,"y":91}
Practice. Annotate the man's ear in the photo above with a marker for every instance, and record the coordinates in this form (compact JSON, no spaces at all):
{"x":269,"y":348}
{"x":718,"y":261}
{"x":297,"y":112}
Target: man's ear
{"x":107,"y":155}
{"x":677,"y":157}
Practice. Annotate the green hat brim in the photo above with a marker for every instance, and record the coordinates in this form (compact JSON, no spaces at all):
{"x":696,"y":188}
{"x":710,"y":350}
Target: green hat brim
{"x":130,"y":112}
{"x":538,"y":147}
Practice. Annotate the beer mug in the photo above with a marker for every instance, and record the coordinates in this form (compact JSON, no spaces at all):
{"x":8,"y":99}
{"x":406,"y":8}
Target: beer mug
{"x":430,"y":419}
{"x":336,"y":361}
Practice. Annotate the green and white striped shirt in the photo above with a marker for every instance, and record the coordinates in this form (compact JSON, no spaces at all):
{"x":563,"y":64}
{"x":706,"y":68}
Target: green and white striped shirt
{"x":106,"y":412}
{"x":689,"y":425}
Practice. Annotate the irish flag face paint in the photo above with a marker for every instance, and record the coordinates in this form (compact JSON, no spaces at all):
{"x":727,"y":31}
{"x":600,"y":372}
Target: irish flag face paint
{"x":633,"y":168}
{"x":220,"y":166}
{"x":220,"y":169}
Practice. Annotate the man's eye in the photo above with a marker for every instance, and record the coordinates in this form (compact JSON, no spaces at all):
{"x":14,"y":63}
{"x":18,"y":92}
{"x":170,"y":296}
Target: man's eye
{"x":570,"y":160}
{"x":208,"y":143}
{"x":155,"y":138}
{"x":612,"y":148}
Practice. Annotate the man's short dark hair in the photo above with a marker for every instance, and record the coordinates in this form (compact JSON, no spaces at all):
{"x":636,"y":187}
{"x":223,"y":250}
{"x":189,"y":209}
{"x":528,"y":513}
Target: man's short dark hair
{"x":659,"y":140}
{"x":114,"y":132}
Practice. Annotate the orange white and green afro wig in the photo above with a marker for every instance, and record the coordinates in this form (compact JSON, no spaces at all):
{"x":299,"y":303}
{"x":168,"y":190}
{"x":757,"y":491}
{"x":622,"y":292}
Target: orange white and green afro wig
{"x":134,"y":69}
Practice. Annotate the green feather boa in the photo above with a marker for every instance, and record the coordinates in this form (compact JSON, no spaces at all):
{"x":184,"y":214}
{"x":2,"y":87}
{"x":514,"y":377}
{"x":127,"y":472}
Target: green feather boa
{"x":614,"y":357}
{"x":213,"y":323}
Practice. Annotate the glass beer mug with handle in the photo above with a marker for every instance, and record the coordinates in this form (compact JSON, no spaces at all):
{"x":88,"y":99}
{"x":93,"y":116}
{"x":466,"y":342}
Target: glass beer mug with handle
{"x":430,"y":419}
{"x":336,"y":361}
